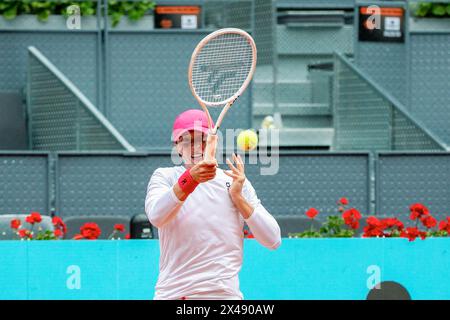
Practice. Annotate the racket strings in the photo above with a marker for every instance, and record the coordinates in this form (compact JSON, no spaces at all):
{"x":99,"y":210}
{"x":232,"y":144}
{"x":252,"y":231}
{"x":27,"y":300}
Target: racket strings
{"x":228,"y":61}
{"x":221,"y":67}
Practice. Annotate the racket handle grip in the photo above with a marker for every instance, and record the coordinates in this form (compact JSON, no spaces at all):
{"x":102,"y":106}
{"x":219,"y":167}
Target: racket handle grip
{"x":210,"y":149}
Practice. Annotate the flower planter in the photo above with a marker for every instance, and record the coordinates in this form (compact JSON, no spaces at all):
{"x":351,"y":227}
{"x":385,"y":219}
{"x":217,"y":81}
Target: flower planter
{"x":144,"y":24}
{"x":298,"y":269}
{"x":54,"y":23}
{"x":429,"y":25}
{"x":59,"y":23}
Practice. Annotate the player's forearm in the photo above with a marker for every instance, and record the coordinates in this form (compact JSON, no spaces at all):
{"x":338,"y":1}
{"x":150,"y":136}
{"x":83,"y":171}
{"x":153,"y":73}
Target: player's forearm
{"x":263,"y":226}
{"x":181,"y":195}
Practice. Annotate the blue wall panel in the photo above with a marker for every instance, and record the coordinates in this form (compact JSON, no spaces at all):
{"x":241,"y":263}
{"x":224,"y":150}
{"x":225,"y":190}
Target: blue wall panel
{"x":298,"y":269}
{"x":14,"y":270}
{"x":97,"y":271}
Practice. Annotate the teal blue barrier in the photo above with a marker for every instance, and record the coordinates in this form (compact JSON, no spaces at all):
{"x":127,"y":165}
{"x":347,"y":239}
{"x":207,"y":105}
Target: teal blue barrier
{"x":299,"y":269}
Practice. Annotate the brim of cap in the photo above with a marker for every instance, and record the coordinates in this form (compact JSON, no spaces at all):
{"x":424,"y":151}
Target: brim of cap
{"x":176,"y":134}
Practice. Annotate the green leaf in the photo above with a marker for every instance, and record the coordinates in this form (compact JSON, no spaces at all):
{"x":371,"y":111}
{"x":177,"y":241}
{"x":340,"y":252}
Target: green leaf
{"x":46,"y":235}
{"x":323,"y":229}
{"x":135,"y":15}
{"x":146,"y":6}
{"x":115,"y":18}
{"x":423,"y":9}
{"x":305,"y":234}
{"x":438,"y":10}
{"x":43,"y":15}
{"x":87,"y":12}
{"x":127,"y":6}
{"x":3,"y":6}
{"x":26,"y":8}
{"x":40,"y":4}
{"x":10,"y":13}
{"x":448,"y":9}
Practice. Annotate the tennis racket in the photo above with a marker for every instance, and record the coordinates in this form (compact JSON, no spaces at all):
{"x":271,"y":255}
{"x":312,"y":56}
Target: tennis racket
{"x":221,"y":67}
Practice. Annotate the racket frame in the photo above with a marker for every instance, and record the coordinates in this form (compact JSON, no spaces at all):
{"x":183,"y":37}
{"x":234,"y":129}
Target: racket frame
{"x":228,"y":102}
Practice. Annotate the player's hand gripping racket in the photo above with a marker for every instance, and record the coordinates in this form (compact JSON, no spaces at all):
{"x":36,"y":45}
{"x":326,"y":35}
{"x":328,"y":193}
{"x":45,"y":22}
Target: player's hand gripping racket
{"x":221,"y":68}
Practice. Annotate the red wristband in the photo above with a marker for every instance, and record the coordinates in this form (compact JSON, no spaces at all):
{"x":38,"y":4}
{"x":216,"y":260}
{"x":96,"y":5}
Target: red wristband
{"x":187,"y":183}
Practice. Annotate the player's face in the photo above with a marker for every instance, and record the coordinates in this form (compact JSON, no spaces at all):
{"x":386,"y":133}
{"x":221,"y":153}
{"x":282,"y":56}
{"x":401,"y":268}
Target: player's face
{"x":192,"y":146}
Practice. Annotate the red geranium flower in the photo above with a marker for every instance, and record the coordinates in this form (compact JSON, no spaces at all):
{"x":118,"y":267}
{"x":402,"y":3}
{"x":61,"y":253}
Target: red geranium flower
{"x":78,"y":237}
{"x":374,"y":228}
{"x":444,"y":225}
{"x":428,"y":221}
{"x":248,"y":234}
{"x":127,"y":237}
{"x":391,"y":223}
{"x":90,"y":231}
{"x":418,"y":210}
{"x":25,"y":233}
{"x":312,"y":212}
{"x":59,"y":224}
{"x":119,"y":227}
{"x":412,"y":233}
{"x":351,"y":218}
{"x":34,"y":217}
{"x":15,"y":224}
{"x":343,"y":201}
{"x":58,"y":233}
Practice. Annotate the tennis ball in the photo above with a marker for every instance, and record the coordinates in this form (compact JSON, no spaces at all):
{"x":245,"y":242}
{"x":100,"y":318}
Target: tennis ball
{"x":247,"y":140}
{"x":268,"y":123}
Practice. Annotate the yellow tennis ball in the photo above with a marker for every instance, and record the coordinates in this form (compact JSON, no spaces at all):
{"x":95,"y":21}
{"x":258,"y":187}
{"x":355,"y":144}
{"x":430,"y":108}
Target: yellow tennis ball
{"x":247,"y":140}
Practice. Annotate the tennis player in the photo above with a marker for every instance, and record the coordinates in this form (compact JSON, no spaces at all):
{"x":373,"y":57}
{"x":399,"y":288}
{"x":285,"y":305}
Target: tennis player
{"x":199,"y":210}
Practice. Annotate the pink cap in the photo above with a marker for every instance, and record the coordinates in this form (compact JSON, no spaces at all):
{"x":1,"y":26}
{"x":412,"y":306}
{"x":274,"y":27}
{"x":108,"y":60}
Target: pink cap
{"x":192,"y":119}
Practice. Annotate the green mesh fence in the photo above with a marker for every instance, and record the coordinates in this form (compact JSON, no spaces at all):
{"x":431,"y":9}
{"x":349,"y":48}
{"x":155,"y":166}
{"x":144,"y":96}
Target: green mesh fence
{"x":367,"y":118}
{"x":60,"y":117}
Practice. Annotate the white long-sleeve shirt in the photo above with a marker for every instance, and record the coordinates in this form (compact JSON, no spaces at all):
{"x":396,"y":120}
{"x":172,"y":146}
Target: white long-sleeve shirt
{"x":201,"y":238}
